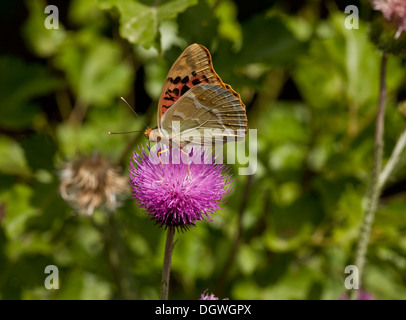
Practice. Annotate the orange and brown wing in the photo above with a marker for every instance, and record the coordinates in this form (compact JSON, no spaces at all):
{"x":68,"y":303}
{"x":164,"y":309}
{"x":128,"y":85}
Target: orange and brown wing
{"x":194,"y":66}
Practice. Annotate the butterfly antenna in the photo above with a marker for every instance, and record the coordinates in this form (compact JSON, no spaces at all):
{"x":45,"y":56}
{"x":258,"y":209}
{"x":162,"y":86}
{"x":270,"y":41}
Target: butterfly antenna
{"x":134,"y":112}
{"x":123,"y":132}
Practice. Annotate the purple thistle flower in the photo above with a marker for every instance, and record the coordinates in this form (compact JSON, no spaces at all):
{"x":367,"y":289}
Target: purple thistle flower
{"x":206,"y":296}
{"x":169,"y":195}
{"x":362,"y":295}
{"x":394,"y":11}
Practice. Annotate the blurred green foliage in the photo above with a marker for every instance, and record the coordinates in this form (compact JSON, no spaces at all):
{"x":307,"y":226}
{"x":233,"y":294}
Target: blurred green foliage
{"x":288,"y":232}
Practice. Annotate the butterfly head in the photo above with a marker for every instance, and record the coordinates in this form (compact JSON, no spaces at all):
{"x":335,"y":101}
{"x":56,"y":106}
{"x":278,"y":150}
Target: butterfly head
{"x":152,"y":134}
{"x":148,"y":132}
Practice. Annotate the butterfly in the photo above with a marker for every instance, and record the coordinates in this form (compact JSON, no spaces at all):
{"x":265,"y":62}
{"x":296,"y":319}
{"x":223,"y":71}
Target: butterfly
{"x":204,"y":109}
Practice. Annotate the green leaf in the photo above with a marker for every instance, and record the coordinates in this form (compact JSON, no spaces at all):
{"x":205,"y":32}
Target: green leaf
{"x":86,"y":13}
{"x":12,"y":160}
{"x":139,"y":20}
{"x":229,"y":27}
{"x":343,"y":69}
{"x":42,"y":41}
{"x":273,"y":44}
{"x":18,"y":211}
{"x":48,"y":200}
{"x":247,"y":259}
{"x":94,"y":133}
{"x":39,"y":150}
{"x":21,"y":82}
{"x":348,"y":215}
{"x":94,"y":68}
{"x":198,"y":24}
{"x":24,"y":274}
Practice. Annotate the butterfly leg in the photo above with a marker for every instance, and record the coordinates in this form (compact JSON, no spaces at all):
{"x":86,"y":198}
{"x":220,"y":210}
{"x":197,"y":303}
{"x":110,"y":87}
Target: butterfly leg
{"x":188,"y":171}
{"x":159,"y":155}
{"x":160,"y":160}
{"x":165,"y":150}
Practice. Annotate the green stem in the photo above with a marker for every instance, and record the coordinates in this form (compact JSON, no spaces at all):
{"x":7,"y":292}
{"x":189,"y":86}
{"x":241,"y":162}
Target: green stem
{"x":375,"y":187}
{"x":167,"y":263}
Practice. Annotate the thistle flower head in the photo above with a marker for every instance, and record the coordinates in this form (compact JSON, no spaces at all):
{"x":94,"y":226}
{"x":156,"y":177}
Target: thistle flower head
{"x":92,"y":182}
{"x":206,"y":296}
{"x":362,"y":295}
{"x":175,"y":192}
{"x":393,"y":11}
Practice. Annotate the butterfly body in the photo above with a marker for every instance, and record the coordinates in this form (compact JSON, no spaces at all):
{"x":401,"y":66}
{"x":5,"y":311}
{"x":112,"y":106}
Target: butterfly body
{"x":195,"y":106}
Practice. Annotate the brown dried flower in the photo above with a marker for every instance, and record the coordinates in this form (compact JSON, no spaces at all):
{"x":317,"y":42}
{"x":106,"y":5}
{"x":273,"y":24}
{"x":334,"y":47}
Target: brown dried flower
{"x":92,"y":182}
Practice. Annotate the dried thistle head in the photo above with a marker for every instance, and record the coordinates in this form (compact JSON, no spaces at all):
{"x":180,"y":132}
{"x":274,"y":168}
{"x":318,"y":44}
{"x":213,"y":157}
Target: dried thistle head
{"x":92,"y":182}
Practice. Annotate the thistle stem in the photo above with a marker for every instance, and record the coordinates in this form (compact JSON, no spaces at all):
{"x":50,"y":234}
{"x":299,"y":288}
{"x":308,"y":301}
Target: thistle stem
{"x":167,"y":263}
{"x":375,"y":187}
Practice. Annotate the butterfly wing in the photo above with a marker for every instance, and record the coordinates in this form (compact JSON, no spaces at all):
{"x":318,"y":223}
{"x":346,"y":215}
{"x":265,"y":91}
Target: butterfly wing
{"x":203,"y":107}
{"x":194,"y":66}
